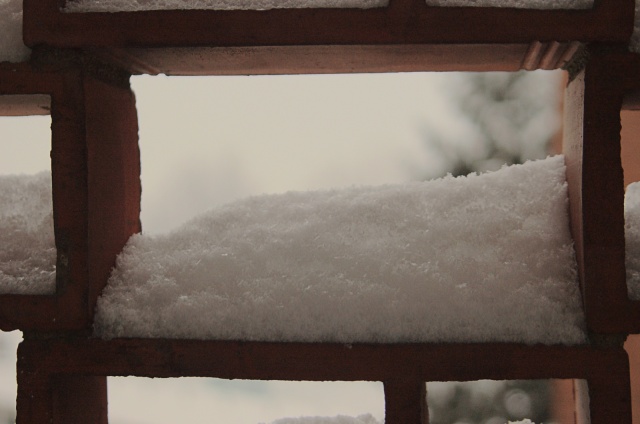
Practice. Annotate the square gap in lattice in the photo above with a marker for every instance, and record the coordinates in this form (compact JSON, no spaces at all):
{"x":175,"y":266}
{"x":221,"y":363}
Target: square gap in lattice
{"x":28,"y":254}
{"x":206,"y":400}
{"x":343,"y":236}
{"x":501,"y":401}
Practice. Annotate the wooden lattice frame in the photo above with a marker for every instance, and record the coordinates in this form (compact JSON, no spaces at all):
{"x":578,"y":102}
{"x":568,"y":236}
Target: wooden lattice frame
{"x":83,"y":60}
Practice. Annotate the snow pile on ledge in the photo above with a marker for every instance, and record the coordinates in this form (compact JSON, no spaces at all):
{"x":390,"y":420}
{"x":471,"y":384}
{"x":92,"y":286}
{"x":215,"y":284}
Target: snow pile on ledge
{"x":27,"y":252}
{"x":12,"y":49}
{"x":81,"y":6}
{"x":340,"y":419}
{"x":632,"y":239}
{"x":468,"y":259}
{"x":519,"y":4}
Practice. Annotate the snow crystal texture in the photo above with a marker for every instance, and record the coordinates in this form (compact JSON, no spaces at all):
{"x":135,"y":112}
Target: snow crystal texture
{"x":12,"y":49}
{"x":632,"y":239}
{"x":139,"y":5}
{"x":27,"y":246}
{"x":471,"y":259}
{"x":519,"y":4}
{"x":340,"y":419}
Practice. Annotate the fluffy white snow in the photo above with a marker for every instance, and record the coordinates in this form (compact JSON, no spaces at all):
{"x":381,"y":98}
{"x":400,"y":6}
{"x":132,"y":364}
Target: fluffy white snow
{"x":340,"y":419}
{"x":520,"y":4}
{"x":634,"y":46}
{"x":27,"y":246}
{"x":139,"y":5}
{"x":12,"y":49}
{"x":480,"y":258}
{"x":632,"y":239}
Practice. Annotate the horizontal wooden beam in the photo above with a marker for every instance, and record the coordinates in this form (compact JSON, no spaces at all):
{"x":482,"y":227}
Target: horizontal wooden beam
{"x":317,"y":361}
{"x":327,"y":59}
{"x":402,"y":23}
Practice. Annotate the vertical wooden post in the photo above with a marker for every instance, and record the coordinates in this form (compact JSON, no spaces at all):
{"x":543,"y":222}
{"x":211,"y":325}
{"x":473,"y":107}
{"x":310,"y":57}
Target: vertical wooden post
{"x":591,"y":145}
{"x":79,"y":399}
{"x":610,"y":392}
{"x":113,"y":166}
{"x":406,"y":402}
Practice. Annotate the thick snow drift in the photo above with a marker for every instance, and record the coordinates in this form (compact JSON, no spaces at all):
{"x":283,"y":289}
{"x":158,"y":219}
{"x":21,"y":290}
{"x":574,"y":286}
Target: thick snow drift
{"x":12,"y":49}
{"x":27,"y":252}
{"x":480,"y":258}
{"x":632,"y":239}
{"x":138,"y":5}
{"x":519,"y":4}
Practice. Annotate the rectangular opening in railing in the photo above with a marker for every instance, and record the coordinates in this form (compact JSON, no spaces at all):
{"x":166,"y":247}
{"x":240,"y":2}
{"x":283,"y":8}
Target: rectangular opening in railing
{"x":206,"y":400}
{"x":160,"y":401}
{"x":28,"y":254}
{"x":365,"y":263}
{"x":499,"y":402}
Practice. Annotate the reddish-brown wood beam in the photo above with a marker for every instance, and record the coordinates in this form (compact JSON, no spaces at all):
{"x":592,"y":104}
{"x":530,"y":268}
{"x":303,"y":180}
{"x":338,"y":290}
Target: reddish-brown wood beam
{"x":610,"y":395}
{"x":340,"y":59}
{"x":114,"y":190}
{"x":403,"y":22}
{"x":405,"y":402}
{"x":315,"y":362}
{"x":591,"y":147}
{"x":79,"y":399}
{"x":403,"y":367}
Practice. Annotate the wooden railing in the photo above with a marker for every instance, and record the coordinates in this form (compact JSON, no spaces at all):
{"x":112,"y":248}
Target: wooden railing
{"x":83,"y":62}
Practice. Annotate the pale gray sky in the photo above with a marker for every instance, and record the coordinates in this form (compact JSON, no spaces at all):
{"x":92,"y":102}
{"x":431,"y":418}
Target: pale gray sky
{"x":206,"y":141}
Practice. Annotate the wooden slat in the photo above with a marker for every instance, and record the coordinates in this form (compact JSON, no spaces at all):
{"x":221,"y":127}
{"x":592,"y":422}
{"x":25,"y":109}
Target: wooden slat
{"x":403,"y":22}
{"x":405,"y":402}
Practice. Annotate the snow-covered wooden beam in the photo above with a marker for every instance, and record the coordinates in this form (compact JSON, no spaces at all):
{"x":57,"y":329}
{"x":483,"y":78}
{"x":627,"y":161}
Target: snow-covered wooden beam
{"x":401,"y":23}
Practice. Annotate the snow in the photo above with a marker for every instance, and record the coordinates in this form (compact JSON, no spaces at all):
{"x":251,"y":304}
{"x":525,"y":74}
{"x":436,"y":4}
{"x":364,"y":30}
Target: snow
{"x":632,"y":241}
{"x":471,"y":259}
{"x":12,"y":49}
{"x":520,"y":4}
{"x":28,"y":255}
{"x":634,"y":46}
{"x":525,"y":421}
{"x":139,"y":5}
{"x":340,"y":419}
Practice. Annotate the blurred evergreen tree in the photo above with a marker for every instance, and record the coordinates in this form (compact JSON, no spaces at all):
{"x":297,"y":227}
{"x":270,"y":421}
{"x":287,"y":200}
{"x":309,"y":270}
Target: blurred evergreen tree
{"x":512,"y":118}
{"x":489,"y":402}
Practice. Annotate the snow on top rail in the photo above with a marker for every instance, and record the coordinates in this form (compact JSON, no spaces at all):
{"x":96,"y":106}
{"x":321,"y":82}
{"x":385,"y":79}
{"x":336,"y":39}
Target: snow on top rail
{"x":139,"y":5}
{"x":482,"y":258}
